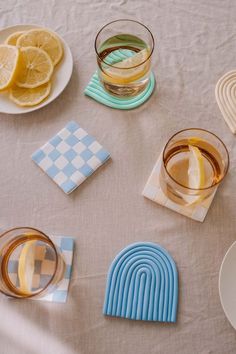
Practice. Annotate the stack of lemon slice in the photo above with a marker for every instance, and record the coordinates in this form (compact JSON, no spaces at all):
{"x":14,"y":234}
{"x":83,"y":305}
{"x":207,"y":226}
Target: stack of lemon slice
{"x":27,"y":61}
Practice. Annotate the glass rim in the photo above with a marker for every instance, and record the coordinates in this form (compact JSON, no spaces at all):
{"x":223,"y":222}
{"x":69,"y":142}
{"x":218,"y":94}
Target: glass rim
{"x":128,"y":20}
{"x":50,"y":242}
{"x":182,"y":185}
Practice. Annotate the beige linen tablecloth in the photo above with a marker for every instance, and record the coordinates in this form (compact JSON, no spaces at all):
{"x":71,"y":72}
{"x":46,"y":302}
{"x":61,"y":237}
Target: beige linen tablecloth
{"x":195,"y":45}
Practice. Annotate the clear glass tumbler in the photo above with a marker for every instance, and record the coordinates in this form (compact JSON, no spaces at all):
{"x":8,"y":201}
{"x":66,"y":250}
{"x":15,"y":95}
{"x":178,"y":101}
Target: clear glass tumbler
{"x":30,"y":263}
{"x":194,"y":162}
{"x":124,"y":49}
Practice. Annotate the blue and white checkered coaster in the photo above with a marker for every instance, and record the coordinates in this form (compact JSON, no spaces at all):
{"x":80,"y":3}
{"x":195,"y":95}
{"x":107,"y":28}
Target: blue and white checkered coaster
{"x":44,"y":268}
{"x":70,"y":157}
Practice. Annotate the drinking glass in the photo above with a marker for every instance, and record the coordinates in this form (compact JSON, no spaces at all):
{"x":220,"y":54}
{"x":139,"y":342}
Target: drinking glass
{"x":30,"y":263}
{"x":124,"y":49}
{"x":194,"y":162}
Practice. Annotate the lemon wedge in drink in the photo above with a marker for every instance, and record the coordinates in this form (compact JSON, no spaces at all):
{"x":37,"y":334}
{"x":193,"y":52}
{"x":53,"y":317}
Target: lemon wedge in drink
{"x":12,"y":39}
{"x":196,"y":171}
{"x":196,"y":174}
{"x":9,"y":59}
{"x":129,"y":69}
{"x":26,"y":266}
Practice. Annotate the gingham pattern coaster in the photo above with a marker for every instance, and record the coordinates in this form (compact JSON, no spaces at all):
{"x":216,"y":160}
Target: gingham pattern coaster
{"x":70,"y":157}
{"x":44,"y":269}
{"x":153,"y":191}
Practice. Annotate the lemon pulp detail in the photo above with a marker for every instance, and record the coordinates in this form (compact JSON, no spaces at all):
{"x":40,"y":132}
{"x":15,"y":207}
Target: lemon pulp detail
{"x":27,"y":97}
{"x":36,"y":67}
{"x":43,"y":39}
{"x":9,"y":59}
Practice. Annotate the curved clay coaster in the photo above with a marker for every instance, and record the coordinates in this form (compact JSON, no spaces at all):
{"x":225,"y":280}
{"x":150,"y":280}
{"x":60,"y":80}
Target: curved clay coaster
{"x":225,"y":92}
{"x":142,"y":284}
{"x":98,"y":93}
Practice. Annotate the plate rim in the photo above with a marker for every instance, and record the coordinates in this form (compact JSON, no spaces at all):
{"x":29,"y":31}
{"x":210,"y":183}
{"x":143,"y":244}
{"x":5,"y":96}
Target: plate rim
{"x":46,"y":102}
{"x":219,"y":283}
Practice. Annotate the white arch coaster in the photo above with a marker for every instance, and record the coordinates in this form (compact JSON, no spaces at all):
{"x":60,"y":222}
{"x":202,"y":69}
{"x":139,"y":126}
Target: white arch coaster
{"x":225,"y":93}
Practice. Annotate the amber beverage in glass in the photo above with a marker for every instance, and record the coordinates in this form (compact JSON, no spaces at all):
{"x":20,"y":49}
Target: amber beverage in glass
{"x":31,"y":265}
{"x":194,"y":163}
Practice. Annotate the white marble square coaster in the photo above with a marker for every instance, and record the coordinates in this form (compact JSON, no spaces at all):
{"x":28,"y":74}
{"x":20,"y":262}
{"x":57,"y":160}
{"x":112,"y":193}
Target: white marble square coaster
{"x":153,"y":191}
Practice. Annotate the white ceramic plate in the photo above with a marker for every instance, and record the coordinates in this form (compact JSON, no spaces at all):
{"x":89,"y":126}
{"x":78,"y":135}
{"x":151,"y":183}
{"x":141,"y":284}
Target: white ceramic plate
{"x":60,"y":79}
{"x":227,"y":284}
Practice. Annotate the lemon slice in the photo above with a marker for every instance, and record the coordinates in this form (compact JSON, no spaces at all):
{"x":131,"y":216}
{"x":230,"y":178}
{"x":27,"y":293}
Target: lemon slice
{"x":12,"y":39}
{"x":36,"y":67}
{"x":29,"y":97}
{"x":26,"y":266}
{"x":9,"y":59}
{"x":128,"y":69}
{"x":43,"y":39}
{"x":196,"y":171}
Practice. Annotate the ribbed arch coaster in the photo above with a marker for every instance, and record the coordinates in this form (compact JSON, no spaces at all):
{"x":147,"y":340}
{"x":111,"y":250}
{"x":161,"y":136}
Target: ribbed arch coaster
{"x":142,"y":284}
{"x":225,"y":93}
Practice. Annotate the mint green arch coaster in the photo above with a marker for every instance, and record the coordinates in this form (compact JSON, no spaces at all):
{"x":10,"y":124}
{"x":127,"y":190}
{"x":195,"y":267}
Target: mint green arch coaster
{"x":96,"y":91}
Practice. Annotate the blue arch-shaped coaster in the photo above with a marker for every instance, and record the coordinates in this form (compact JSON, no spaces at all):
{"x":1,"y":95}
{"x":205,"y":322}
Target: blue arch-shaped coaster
{"x":98,"y":93}
{"x":142,"y":284}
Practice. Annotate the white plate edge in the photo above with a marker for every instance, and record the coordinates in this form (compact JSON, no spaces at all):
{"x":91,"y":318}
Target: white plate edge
{"x":219,"y":283}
